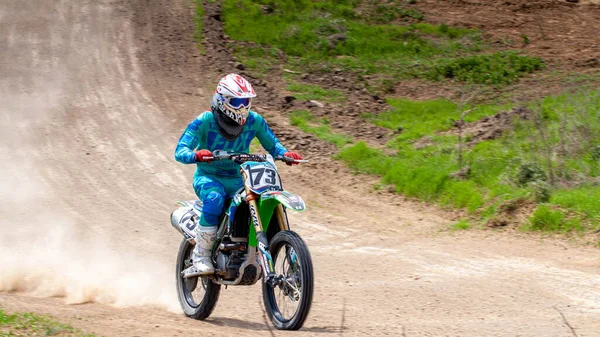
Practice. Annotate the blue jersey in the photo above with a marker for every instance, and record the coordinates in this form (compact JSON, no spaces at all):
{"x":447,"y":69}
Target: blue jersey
{"x":203,"y":133}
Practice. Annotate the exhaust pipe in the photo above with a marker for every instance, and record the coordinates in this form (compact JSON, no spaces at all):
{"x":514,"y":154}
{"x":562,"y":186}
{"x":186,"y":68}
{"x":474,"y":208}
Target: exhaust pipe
{"x":179,"y":216}
{"x":182,"y":219}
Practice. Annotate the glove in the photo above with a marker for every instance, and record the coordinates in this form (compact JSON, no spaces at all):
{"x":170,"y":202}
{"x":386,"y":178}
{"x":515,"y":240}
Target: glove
{"x":202,"y":154}
{"x":293,"y":155}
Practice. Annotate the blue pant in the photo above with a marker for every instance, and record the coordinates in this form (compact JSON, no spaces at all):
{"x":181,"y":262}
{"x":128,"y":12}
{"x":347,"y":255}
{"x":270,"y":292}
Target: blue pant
{"x":213,"y":191}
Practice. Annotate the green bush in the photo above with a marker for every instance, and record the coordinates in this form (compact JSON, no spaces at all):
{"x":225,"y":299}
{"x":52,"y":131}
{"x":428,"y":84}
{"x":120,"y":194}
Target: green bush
{"x":546,"y":219}
{"x":497,"y":68}
{"x":540,"y":191}
{"x":595,"y":152}
{"x":384,"y":13}
{"x":530,"y":172}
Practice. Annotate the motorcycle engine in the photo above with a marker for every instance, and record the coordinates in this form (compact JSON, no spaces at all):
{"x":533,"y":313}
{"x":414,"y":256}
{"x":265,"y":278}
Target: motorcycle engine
{"x":229,"y":262}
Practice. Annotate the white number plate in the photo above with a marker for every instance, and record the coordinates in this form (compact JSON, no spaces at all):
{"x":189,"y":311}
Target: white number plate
{"x":261,"y":177}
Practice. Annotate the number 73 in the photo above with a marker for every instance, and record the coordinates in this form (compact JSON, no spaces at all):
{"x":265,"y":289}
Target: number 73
{"x":256,"y":176}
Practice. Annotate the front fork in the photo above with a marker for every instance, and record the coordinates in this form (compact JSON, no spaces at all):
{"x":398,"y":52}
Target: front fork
{"x":261,"y":237}
{"x":263,"y":244}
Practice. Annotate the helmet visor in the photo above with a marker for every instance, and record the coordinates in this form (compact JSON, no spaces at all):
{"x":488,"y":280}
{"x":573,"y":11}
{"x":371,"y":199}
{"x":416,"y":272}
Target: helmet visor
{"x":236,"y":103}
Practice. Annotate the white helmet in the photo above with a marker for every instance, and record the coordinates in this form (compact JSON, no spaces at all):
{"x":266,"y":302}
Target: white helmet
{"x":231,"y":104}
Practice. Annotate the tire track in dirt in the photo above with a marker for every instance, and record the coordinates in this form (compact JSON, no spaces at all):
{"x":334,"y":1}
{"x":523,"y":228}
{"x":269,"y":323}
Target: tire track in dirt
{"x":90,"y":115}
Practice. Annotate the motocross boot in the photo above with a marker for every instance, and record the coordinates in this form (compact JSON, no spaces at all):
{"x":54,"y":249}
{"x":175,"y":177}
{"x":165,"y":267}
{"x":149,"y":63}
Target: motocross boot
{"x":202,"y":260}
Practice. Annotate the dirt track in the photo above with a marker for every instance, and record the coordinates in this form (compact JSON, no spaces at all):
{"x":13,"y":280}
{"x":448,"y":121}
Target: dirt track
{"x":88,"y":124}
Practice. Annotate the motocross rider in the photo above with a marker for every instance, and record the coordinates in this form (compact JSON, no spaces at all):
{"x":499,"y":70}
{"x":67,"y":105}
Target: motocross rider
{"x":230,"y":126}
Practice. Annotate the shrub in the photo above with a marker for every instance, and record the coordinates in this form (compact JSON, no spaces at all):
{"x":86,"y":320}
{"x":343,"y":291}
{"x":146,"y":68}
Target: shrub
{"x":384,"y":13}
{"x":497,"y":68}
{"x":546,"y":219}
{"x":528,"y":173}
{"x":541,"y":191}
{"x":595,"y":152}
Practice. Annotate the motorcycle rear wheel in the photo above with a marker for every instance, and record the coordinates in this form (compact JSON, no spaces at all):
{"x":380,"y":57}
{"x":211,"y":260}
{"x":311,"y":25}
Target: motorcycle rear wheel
{"x":293,"y":264}
{"x":197,"y":295}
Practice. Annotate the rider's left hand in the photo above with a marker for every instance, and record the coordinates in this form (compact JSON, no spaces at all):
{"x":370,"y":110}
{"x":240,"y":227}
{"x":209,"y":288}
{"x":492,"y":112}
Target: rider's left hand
{"x":293,"y":155}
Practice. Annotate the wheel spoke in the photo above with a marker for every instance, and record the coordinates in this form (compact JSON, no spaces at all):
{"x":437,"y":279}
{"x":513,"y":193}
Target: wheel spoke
{"x":288,"y":299}
{"x":194,"y":298}
{"x":290,"y":289}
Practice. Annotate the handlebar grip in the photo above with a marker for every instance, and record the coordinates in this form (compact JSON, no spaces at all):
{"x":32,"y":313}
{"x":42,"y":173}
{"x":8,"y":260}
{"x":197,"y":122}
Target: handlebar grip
{"x":291,"y":160}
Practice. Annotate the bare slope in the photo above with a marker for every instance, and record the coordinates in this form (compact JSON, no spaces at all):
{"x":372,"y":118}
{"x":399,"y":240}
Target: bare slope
{"x":562,"y":32}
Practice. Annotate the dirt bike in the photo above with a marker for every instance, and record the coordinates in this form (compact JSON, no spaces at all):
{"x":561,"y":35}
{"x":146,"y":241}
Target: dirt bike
{"x":254,"y":240}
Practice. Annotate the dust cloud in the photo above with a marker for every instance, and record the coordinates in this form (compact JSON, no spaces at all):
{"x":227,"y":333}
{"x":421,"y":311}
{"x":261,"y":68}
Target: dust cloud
{"x":44,"y":252}
{"x":41,"y":254}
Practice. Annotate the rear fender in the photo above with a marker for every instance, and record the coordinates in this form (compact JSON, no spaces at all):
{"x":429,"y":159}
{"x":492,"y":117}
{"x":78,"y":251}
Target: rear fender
{"x":186,"y":217}
{"x":289,"y":200}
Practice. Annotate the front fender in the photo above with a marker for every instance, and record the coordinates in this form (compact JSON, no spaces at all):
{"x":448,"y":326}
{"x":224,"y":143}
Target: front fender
{"x":289,"y":200}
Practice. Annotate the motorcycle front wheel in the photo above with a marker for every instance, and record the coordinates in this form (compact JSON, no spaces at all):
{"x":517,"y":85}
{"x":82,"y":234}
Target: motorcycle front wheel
{"x":197,"y":295}
{"x":287,"y":304}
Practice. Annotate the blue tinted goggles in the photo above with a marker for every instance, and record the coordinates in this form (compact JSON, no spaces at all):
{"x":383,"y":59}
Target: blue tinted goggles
{"x":237,"y":103}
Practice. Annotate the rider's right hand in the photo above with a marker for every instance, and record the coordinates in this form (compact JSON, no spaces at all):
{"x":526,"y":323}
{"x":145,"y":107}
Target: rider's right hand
{"x":203,"y":156}
{"x":293,"y":155}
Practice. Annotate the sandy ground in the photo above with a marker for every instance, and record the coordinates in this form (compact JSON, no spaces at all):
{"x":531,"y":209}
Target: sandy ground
{"x":88,"y":180}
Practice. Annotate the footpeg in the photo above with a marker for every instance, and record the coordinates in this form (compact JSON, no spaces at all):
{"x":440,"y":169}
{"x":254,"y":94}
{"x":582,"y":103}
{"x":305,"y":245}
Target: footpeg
{"x":193,"y":272}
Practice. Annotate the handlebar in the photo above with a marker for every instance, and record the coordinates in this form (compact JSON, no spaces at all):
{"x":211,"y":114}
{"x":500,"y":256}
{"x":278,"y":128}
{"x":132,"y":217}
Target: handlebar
{"x":240,"y":157}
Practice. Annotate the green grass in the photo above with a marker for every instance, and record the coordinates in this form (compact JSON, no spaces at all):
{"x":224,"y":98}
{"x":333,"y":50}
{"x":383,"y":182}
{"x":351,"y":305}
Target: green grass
{"x":388,"y":12}
{"x":582,"y":199}
{"x":304,"y":91}
{"x":462,"y":224}
{"x":327,"y":35}
{"x":303,"y":28}
{"x":29,"y":324}
{"x":511,"y":167}
{"x":416,"y":175}
{"x":416,"y":119}
{"x":382,"y":43}
{"x":318,"y":127}
{"x":496,"y":68}
{"x":546,"y":219}
{"x":261,"y":60}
